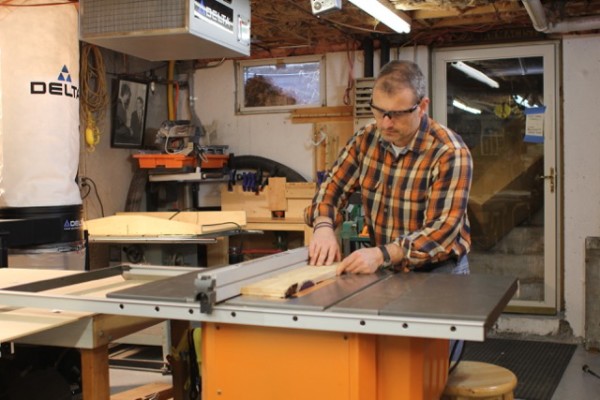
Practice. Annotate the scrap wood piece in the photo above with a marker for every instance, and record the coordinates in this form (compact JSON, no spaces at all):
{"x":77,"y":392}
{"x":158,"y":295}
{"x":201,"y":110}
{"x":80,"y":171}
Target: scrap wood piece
{"x":290,"y":283}
{"x":322,"y":114}
{"x":138,"y":225}
{"x":209,"y":221}
{"x":155,"y":391}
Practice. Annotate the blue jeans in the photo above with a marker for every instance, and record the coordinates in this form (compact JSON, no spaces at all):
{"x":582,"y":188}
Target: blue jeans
{"x":460,"y":267}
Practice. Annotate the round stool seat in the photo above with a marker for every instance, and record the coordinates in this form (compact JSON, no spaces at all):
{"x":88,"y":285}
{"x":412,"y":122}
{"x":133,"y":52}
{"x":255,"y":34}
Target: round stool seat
{"x":478,"y":380}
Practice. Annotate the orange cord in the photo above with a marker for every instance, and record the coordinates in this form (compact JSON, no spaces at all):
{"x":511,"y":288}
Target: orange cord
{"x":176,"y":100}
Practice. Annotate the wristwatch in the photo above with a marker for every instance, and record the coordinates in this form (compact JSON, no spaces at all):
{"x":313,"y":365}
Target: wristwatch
{"x":387,"y":260}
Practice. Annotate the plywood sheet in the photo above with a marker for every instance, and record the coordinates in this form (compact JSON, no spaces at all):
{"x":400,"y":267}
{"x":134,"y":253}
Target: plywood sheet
{"x":138,"y":225}
{"x":165,"y":223}
{"x":209,"y":220}
{"x":290,"y":283}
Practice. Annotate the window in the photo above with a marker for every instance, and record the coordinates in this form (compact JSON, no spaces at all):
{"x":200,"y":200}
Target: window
{"x":279,"y":85}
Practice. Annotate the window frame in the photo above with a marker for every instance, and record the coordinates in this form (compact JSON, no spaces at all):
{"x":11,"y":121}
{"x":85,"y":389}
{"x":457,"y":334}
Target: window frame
{"x":240,"y":95}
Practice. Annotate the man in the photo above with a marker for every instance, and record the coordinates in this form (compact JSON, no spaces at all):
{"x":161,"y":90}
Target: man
{"x":414,"y":177}
{"x":137,"y":120}
{"x":122,"y":132}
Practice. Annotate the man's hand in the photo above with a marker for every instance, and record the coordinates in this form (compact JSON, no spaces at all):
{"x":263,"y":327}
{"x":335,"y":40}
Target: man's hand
{"x":361,"y":261}
{"x":324,"y":248}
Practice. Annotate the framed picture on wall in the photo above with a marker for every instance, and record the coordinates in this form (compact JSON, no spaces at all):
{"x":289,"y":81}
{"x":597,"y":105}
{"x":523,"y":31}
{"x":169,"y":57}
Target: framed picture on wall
{"x":129,"y":113}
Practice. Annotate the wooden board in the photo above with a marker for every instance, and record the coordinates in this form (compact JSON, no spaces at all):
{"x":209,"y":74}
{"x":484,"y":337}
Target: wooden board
{"x":290,"y":283}
{"x":322,"y":114}
{"x":165,"y":223}
{"x":203,"y":218}
{"x":276,"y":196}
{"x":154,"y":390}
{"x":331,"y":138}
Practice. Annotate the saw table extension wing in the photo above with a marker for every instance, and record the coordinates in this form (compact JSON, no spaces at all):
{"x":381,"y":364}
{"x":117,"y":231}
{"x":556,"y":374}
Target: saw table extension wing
{"x":87,"y":331}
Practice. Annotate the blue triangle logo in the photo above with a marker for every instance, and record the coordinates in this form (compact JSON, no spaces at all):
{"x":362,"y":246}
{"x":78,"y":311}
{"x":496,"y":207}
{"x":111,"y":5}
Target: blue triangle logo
{"x":63,"y":72}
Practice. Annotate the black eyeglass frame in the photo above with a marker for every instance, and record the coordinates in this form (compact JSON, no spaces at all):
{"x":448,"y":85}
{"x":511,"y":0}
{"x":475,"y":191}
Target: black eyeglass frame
{"x":394,"y":113}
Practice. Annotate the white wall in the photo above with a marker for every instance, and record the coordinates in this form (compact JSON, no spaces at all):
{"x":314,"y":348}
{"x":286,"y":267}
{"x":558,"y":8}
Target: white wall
{"x":274,"y":136}
{"x":581,"y":116}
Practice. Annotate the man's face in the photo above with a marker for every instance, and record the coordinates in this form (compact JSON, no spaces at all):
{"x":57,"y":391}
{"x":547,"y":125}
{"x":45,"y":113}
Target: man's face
{"x":126,"y":99}
{"x":398,"y":115}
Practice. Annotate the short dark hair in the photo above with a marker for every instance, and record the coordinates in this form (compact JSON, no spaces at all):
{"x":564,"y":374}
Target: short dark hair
{"x":125,"y":89}
{"x":399,"y":74}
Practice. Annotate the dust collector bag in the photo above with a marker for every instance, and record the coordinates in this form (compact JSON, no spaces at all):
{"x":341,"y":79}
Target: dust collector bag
{"x":39,"y":105}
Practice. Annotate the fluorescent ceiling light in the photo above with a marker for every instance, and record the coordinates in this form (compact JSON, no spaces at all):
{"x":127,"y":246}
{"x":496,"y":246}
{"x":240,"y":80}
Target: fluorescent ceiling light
{"x":475,"y":74}
{"x":464,"y":107}
{"x":396,"y":20}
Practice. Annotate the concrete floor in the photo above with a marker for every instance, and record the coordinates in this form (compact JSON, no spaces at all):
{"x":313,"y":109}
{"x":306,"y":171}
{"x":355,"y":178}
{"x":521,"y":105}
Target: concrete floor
{"x":575,"y":384}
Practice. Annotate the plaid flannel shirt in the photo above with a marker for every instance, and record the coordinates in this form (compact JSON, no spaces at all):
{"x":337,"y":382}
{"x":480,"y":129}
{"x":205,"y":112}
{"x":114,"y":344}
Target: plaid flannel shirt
{"x":417,"y":199}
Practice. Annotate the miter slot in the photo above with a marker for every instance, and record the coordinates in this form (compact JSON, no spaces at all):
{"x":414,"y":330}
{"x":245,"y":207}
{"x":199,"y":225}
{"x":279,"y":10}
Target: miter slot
{"x":376,"y":297}
{"x":319,"y":298}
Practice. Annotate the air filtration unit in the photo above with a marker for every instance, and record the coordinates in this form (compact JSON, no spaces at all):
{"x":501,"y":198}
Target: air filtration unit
{"x":159,"y":30}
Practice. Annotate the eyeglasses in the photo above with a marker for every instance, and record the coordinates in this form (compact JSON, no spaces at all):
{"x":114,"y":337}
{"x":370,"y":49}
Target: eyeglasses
{"x":392,"y":114}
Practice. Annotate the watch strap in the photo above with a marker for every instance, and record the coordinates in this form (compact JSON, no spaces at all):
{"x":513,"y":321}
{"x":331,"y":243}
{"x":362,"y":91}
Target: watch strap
{"x":387,"y":260}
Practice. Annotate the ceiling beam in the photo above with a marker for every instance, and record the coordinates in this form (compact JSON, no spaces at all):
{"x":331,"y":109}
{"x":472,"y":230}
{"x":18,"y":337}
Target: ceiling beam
{"x":500,"y":7}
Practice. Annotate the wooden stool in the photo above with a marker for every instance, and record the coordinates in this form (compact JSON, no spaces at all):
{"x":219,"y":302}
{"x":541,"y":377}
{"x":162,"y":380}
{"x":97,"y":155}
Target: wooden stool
{"x":478,"y":380}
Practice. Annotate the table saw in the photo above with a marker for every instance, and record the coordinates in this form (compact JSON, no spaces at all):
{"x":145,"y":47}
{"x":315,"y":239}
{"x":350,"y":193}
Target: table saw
{"x":380,"y":336}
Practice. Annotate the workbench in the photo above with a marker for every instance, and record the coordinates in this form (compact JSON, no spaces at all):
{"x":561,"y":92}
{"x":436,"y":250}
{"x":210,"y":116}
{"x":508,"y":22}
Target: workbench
{"x":204,"y":232}
{"x":381,"y":336}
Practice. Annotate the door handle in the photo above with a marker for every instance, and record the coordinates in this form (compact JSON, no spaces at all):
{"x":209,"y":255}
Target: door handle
{"x":550,"y":177}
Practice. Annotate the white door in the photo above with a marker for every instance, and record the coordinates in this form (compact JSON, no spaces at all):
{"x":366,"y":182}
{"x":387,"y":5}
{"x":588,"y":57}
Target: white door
{"x":502,"y":101}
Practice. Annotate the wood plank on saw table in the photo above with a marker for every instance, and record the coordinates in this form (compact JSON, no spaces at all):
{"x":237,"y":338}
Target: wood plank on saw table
{"x":291,"y":282}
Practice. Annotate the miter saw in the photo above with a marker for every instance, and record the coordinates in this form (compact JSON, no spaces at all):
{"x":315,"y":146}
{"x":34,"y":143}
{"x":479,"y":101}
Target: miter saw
{"x":183,"y":138}
{"x":178,"y":136}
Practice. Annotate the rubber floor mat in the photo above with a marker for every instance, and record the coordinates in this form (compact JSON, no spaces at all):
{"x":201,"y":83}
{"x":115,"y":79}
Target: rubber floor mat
{"x":538,"y":366}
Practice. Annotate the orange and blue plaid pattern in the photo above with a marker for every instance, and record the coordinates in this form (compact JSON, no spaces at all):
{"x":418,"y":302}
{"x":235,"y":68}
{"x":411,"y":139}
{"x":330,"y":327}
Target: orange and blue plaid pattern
{"x":417,"y":198}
